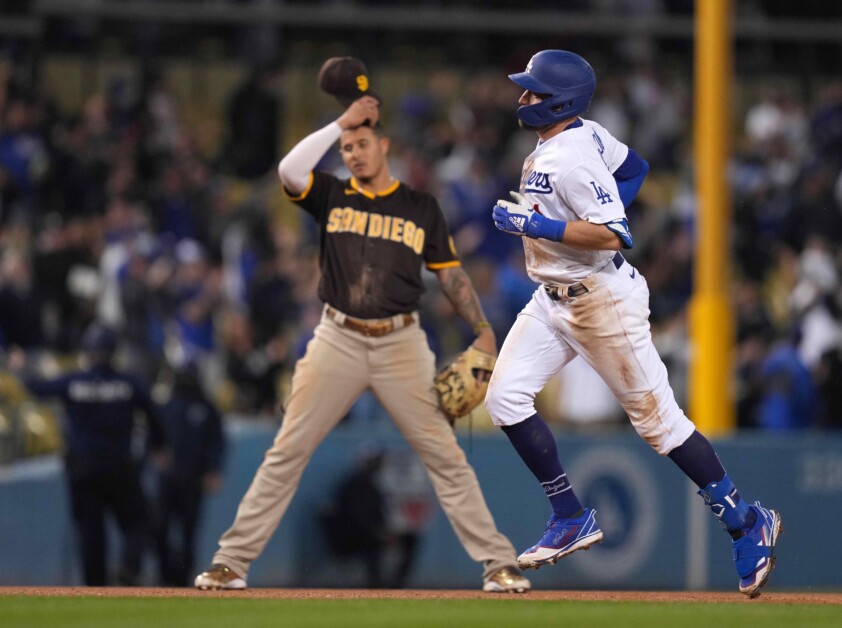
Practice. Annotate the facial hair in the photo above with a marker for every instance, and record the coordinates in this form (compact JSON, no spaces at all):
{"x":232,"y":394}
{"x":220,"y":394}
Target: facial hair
{"x":537,"y":129}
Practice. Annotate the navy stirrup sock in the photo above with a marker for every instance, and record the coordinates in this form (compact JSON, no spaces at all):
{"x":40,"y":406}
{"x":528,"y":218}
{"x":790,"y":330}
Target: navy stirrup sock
{"x":534,"y":442}
{"x":697,"y":458}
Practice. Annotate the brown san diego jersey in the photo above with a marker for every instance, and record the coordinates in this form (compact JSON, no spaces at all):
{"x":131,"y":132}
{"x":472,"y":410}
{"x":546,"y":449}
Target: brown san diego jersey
{"x":372,"y":246}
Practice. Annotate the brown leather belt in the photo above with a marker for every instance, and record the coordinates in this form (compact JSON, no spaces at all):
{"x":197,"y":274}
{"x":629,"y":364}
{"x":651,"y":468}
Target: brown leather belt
{"x":556,"y":293}
{"x":371,"y":327}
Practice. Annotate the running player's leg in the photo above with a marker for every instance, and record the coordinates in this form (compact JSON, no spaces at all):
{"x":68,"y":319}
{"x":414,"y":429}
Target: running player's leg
{"x":610,"y":328}
{"x":532,"y":353}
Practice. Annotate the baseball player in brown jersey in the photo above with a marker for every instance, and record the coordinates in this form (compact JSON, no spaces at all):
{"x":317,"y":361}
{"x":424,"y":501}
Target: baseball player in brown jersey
{"x":375,"y":235}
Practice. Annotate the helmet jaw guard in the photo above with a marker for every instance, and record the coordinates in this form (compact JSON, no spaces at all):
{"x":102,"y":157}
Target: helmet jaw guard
{"x":566,"y":78}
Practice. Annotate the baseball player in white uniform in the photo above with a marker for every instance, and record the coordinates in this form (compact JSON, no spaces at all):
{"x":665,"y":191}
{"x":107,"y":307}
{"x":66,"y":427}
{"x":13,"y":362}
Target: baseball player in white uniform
{"x":570,"y":211}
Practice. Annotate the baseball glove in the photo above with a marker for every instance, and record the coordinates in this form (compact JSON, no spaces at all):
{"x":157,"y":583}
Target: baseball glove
{"x":459,"y":388}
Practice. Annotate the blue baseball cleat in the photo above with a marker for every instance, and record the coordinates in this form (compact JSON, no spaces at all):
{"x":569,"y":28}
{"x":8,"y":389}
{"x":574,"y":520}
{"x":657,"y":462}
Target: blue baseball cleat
{"x":754,"y":552}
{"x":562,"y":537}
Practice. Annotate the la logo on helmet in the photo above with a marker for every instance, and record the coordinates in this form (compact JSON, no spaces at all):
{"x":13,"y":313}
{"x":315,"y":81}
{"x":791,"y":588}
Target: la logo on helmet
{"x":529,"y":65}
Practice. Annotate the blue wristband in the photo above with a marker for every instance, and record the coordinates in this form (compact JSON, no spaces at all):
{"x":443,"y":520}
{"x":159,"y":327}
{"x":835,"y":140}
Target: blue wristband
{"x":546,"y":228}
{"x":560,"y":226}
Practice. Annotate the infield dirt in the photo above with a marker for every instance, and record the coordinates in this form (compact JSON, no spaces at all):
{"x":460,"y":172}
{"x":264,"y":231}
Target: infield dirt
{"x":424,"y":594}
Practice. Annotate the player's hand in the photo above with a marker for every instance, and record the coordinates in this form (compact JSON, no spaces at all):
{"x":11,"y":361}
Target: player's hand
{"x":518,"y":218}
{"x":511,"y":217}
{"x":365,"y":110}
{"x":520,"y":199}
{"x":486,"y":341}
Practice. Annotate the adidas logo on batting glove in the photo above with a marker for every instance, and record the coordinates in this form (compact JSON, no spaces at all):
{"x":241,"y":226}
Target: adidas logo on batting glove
{"x":518,"y":222}
{"x":512,"y":217}
{"x":520,"y":219}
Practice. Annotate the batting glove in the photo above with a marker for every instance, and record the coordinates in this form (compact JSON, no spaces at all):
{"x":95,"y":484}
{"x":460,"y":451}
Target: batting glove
{"x":518,"y":218}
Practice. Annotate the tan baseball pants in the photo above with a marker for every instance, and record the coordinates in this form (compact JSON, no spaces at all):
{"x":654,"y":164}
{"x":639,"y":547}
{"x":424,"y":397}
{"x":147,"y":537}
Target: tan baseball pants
{"x":338,"y":366}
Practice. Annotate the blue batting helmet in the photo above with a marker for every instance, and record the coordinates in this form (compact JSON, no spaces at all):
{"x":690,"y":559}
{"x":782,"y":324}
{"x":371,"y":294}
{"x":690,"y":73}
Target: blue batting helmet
{"x":567,"y":78}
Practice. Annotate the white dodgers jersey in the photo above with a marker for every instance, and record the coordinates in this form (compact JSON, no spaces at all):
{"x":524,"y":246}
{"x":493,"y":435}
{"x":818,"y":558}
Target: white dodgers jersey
{"x":569,"y":177}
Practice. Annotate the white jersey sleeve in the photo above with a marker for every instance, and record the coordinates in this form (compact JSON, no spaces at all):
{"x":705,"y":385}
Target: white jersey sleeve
{"x":613,"y":151}
{"x":296,"y":168}
{"x":591,"y":192}
{"x":589,"y":188}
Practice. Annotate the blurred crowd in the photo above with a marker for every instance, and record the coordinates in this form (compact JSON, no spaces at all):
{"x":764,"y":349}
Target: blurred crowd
{"x":112,"y":214}
{"x":119,"y":213}
{"x":787,"y":231}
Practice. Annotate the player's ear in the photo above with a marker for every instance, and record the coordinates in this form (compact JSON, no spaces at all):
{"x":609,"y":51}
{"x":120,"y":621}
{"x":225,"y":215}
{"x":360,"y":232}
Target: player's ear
{"x":384,"y":145}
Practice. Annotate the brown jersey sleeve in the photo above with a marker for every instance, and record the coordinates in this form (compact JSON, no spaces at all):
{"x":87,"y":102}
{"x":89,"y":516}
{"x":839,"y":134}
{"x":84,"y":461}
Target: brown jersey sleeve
{"x":440,"y":252}
{"x":315,"y":197}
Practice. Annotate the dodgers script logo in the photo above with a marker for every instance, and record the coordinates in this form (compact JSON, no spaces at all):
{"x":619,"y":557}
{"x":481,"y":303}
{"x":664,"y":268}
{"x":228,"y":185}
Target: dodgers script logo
{"x":538,"y":183}
{"x":534,"y":181}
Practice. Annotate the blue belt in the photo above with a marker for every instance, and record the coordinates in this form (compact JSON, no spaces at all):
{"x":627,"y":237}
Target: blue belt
{"x":578,"y":289}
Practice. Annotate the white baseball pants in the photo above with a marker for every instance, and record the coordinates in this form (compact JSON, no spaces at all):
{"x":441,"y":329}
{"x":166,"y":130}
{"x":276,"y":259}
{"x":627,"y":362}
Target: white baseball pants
{"x":609,"y":327}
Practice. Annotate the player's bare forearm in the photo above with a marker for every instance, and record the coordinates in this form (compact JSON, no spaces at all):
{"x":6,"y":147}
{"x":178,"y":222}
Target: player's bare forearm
{"x":457,"y":287}
{"x":459,"y":290}
{"x":585,"y":235}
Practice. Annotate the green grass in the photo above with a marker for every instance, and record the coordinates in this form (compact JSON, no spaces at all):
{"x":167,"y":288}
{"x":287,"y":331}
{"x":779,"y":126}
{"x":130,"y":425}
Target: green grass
{"x":93,"y":612}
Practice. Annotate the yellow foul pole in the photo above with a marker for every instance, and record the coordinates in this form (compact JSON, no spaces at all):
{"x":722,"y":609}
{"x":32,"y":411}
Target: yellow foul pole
{"x":711,"y":383}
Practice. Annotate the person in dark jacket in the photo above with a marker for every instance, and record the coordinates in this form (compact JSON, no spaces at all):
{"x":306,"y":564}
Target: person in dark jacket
{"x":356,"y":524}
{"x":193,"y":427}
{"x":103,"y":474}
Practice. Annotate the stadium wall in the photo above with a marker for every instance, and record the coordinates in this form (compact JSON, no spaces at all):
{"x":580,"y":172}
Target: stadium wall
{"x":658,"y":534}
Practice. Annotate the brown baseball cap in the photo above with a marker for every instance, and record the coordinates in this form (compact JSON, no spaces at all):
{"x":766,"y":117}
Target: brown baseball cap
{"x":346,"y":79}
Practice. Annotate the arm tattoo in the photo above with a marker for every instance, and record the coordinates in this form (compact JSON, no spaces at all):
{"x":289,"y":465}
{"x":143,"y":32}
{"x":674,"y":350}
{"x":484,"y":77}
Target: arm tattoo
{"x":457,"y":287}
